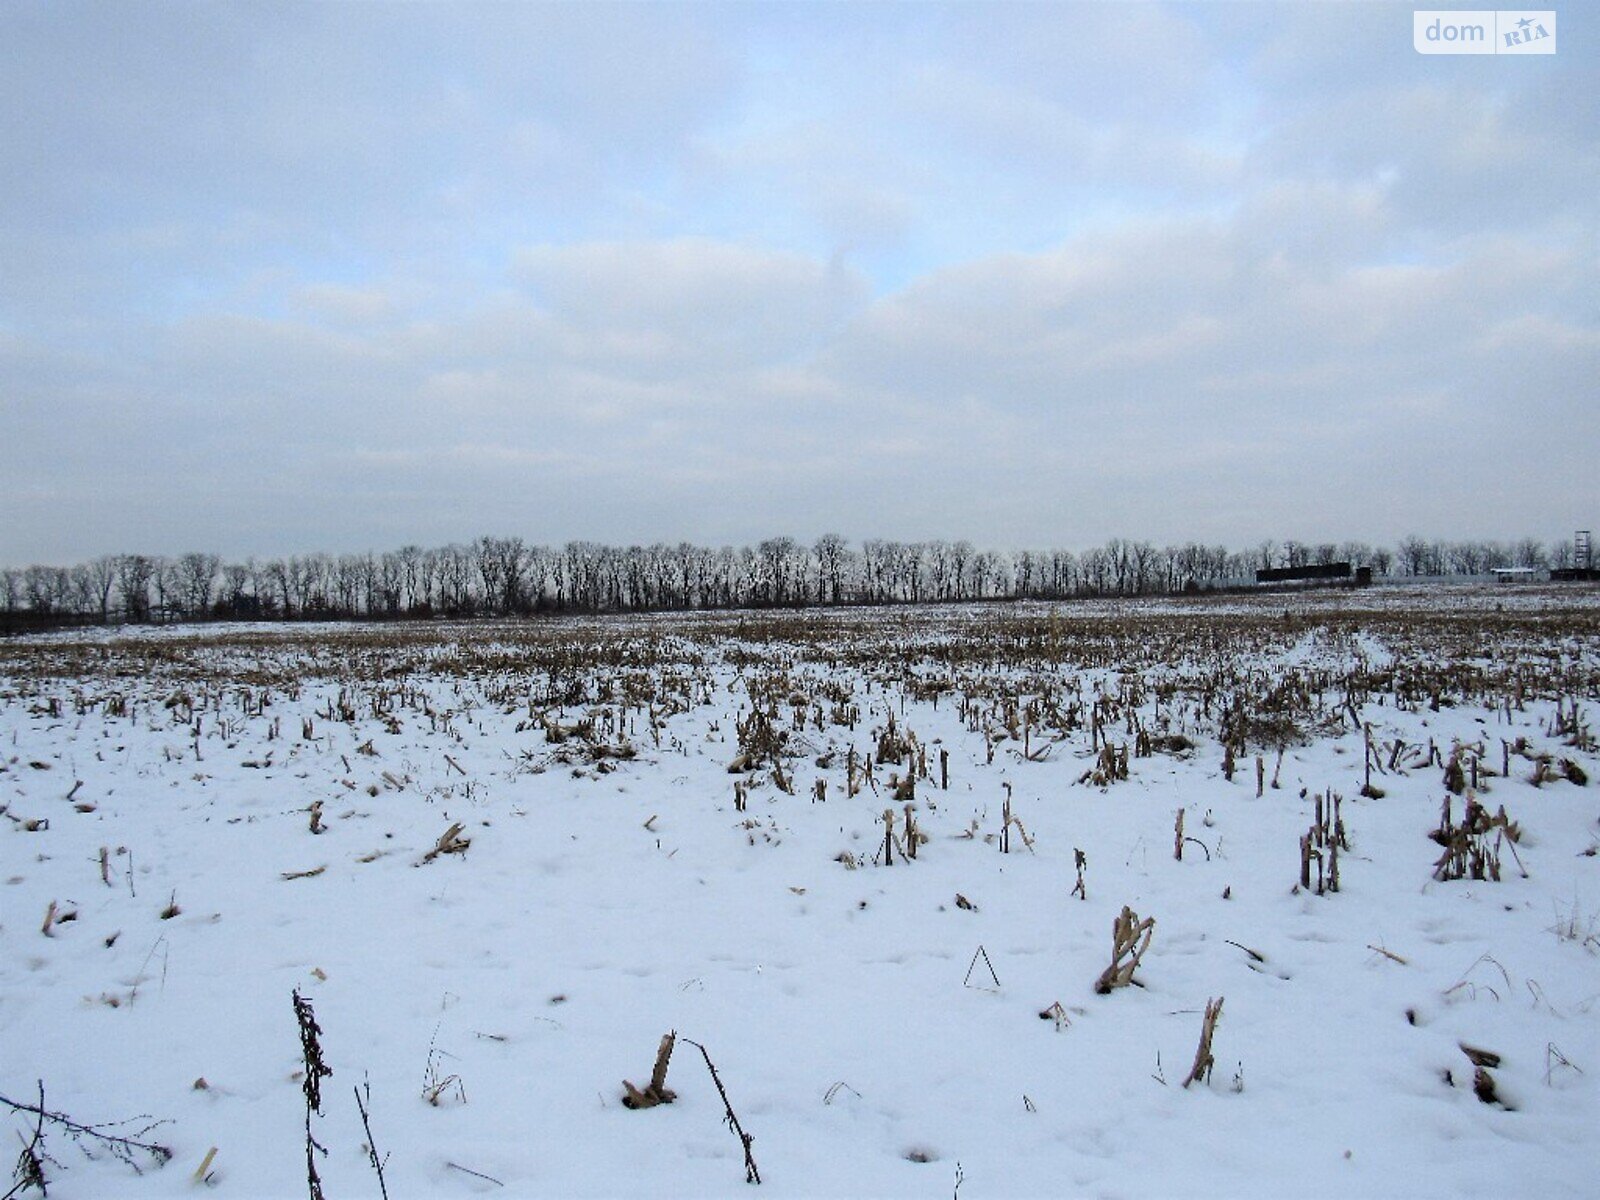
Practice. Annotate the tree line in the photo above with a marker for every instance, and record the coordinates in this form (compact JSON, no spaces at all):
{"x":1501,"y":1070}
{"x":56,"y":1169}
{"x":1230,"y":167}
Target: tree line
{"x":506,"y":576}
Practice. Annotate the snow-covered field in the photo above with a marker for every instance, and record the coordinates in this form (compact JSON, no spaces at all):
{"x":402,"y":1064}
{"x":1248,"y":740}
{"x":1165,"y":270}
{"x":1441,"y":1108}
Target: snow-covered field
{"x":876,"y":1025}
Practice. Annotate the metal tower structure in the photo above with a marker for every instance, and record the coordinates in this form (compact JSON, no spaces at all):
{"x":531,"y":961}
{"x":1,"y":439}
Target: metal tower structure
{"x":1582,"y":554}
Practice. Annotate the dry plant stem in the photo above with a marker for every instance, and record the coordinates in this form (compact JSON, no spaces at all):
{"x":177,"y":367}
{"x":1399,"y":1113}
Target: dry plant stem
{"x":1255,"y":955}
{"x":1126,"y":932}
{"x":980,"y":952}
{"x":29,"y":1171}
{"x":1203,"y":1061}
{"x":657,"y":1092}
{"x":1554,"y":1058}
{"x":204,"y":1168}
{"x":450,"y":842}
{"x":315,"y":1072}
{"x":372,"y":1145}
{"x":751,"y":1174}
{"x":125,"y":1148}
{"x":475,"y":1174}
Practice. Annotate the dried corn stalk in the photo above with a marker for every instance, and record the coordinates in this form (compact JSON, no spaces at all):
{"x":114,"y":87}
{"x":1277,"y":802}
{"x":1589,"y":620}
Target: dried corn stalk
{"x":657,"y":1092}
{"x":450,"y":842}
{"x":1203,"y":1061}
{"x":1127,"y":949}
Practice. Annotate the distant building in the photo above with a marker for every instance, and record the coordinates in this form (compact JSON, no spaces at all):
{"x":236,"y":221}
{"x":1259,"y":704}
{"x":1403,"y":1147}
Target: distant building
{"x":1582,"y":567}
{"x":1314,"y":573}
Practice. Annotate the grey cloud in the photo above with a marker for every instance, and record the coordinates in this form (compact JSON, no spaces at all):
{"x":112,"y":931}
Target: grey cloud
{"x":275,"y":279}
{"x":692,"y":301}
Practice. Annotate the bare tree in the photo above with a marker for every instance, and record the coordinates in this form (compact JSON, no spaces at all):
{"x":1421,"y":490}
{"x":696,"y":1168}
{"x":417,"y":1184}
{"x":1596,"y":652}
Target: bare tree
{"x":80,"y":596}
{"x":1119,"y":556}
{"x":103,"y":572}
{"x":1063,"y":573}
{"x":344,"y":584}
{"x":198,"y":574}
{"x":776,"y":568}
{"x":1356,"y":553}
{"x":830,"y":551}
{"x":513,"y":566}
{"x":583,"y":574}
{"x":960,"y":555}
{"x":275,"y":572}
{"x":1143,"y":556}
{"x":723,"y":565}
{"x":636,"y":577}
{"x":486,"y":558}
{"x":914,"y":570}
{"x":872,"y":570}
{"x":133,"y":585}
{"x":1095,"y":571}
{"x":164,"y":582}
{"x":1024,"y":579}
{"x":455,"y":579}
{"x":430,"y":569}
{"x":539,"y":563}
{"x":1471,"y":558}
{"x":235,"y":585}
{"x":410,"y":559}
{"x":391,"y":583}
{"x":1412,"y":555}
{"x":984,"y":570}
{"x":1437,"y":557}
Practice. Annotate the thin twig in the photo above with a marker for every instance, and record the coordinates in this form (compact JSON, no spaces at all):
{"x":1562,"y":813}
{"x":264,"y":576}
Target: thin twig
{"x":751,"y":1174}
{"x":474,"y":1174}
{"x":1389,"y":954}
{"x":372,"y":1145}
{"x":980,"y":952}
{"x":1255,"y":955}
{"x":123,"y":1147}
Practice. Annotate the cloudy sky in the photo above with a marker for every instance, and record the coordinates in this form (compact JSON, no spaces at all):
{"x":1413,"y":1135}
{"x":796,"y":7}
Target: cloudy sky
{"x":280,"y":278}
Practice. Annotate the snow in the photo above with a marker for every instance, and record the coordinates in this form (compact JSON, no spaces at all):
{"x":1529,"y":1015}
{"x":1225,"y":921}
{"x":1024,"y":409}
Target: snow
{"x":605,"y":902}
